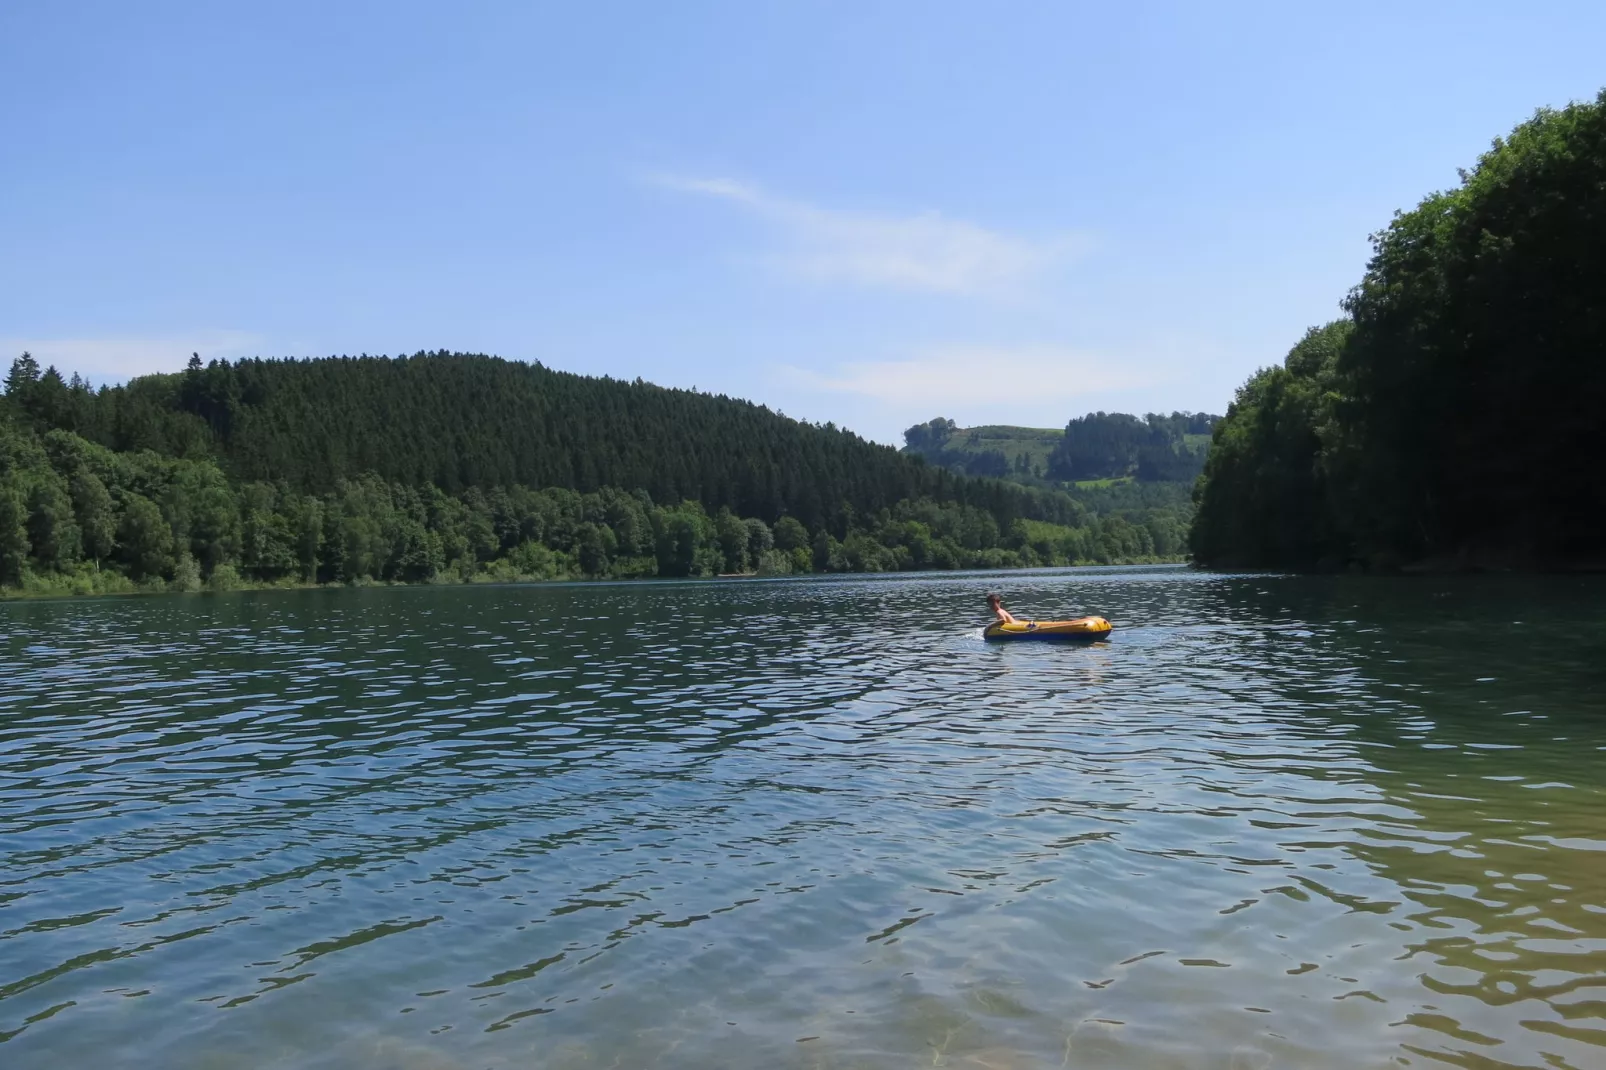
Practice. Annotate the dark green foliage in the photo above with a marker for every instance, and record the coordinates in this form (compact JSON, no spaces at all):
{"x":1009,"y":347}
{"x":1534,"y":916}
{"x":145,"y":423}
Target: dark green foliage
{"x":144,"y":541}
{"x":1447,"y":419}
{"x":1128,"y":496}
{"x":731,"y":534}
{"x":1115,"y":445}
{"x":790,"y":534}
{"x":1263,"y":496}
{"x":53,"y":534}
{"x":928,"y":438}
{"x":264,"y":473}
{"x":1018,"y":454}
{"x":459,"y":422}
{"x":1477,"y":373}
{"x":14,"y":545}
{"x":93,"y":508}
{"x":759,"y":539}
{"x":1094,"y":447}
{"x":1112,"y":465}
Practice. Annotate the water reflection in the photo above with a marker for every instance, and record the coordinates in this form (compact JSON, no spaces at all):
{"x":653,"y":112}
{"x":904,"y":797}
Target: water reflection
{"x":812,"y":823}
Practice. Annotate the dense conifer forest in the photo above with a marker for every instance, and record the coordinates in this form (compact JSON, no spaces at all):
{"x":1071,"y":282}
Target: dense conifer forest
{"x":1447,"y":420}
{"x":444,"y":467}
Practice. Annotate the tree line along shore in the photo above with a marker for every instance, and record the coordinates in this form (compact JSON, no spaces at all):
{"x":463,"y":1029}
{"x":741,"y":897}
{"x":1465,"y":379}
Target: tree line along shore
{"x":442,"y":467}
{"x":1444,"y":421}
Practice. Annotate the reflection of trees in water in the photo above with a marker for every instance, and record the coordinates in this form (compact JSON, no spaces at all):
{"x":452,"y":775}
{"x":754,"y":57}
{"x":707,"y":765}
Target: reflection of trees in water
{"x":1477,"y":705}
{"x":1427,"y":766}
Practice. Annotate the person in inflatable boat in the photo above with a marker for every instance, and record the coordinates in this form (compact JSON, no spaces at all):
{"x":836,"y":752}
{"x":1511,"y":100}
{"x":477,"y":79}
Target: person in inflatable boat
{"x":996,"y":604}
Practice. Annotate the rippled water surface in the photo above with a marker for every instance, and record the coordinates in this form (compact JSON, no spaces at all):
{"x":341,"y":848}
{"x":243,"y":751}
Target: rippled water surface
{"x":812,"y":823}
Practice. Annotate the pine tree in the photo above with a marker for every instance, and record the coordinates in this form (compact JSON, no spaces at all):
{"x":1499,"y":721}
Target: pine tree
{"x":23,"y":375}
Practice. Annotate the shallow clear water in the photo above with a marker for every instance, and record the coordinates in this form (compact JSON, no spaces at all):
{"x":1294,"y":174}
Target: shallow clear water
{"x":809,"y":823}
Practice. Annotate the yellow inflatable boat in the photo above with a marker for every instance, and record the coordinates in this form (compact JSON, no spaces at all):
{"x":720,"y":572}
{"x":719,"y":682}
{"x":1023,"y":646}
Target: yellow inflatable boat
{"x":1085,"y":629}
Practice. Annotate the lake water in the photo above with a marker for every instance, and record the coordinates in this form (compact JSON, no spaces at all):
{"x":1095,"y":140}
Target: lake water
{"x":1276,"y":821}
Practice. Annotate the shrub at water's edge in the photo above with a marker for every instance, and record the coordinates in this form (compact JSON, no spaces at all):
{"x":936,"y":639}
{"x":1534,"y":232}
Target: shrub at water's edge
{"x":1452,"y":418}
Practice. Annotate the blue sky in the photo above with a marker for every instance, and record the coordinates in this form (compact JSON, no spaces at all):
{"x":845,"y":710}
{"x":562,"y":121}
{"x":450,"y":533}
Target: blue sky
{"x":870,"y":213}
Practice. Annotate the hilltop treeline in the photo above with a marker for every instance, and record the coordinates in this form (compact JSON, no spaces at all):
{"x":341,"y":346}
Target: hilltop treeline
{"x":1450,"y":416}
{"x":457,"y":421}
{"x":1113,"y":445}
{"x":1097,"y":446}
{"x":445,"y":467}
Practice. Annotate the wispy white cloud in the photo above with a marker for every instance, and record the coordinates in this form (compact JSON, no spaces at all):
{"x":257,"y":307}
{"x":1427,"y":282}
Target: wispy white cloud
{"x":968,"y":377}
{"x":113,"y":360}
{"x":924,"y":252}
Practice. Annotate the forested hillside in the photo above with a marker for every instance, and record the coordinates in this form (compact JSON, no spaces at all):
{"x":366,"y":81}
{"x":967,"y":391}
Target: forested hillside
{"x":443,"y":466}
{"x":1155,"y":449}
{"x":1116,"y":466}
{"x":1451,"y":417}
{"x":1095,"y":447}
{"x":1001,"y":451}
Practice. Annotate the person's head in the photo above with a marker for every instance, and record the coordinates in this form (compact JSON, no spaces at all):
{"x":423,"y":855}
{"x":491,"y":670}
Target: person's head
{"x":994,"y":601}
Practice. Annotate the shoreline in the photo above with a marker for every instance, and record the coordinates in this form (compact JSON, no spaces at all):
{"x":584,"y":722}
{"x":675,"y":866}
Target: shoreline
{"x":24,"y":594}
{"x":1428,"y":567}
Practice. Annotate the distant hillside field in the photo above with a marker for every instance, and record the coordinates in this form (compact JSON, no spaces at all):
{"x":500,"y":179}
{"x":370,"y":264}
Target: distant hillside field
{"x":1114,"y":465}
{"x":1094,"y":448}
{"x":997,"y":450}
